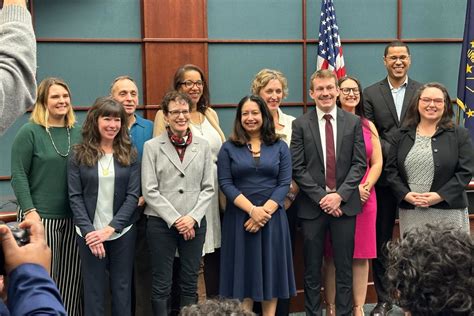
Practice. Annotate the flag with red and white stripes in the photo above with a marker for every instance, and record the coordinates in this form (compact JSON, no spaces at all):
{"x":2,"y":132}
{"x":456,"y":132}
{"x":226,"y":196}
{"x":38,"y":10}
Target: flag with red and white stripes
{"x":329,"y":46}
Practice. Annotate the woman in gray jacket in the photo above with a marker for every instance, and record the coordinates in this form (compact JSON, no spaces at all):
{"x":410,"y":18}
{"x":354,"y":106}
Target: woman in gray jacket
{"x":177,"y":185}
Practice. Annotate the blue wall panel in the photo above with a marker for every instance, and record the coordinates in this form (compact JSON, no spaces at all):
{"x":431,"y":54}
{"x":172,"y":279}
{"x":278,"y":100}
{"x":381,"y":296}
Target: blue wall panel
{"x":435,"y":19}
{"x":87,"y":18}
{"x":232,"y":68}
{"x":357,"y":19}
{"x":89,"y":68}
{"x":248,"y":19}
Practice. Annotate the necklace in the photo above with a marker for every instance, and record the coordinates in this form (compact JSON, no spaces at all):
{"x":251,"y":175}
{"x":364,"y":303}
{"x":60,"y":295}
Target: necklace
{"x":106,"y":171}
{"x":249,"y":147}
{"x":198,"y":125}
{"x":68,"y":143}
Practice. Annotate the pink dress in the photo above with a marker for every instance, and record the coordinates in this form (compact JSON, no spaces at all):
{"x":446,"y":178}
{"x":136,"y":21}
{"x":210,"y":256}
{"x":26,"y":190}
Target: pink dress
{"x":364,"y":238}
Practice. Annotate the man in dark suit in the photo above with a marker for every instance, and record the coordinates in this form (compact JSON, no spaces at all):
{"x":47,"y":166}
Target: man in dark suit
{"x":328,"y":164}
{"x":386,"y":103}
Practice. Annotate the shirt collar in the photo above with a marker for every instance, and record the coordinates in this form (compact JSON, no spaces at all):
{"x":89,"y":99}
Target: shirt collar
{"x":403,"y":85}
{"x":320,"y":113}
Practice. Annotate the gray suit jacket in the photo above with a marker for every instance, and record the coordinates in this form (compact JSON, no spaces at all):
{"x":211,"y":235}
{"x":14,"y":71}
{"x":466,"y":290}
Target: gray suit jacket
{"x":309,"y":167}
{"x":172,"y":188}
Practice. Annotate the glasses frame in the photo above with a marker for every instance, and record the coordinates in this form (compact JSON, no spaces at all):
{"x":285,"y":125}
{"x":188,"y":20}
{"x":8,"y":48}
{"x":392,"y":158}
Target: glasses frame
{"x":191,"y":84}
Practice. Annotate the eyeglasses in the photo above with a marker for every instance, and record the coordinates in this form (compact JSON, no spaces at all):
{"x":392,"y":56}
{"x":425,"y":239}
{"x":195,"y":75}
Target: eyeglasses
{"x":347,"y":91}
{"x":177,"y":113}
{"x":427,"y":101}
{"x":190,"y":83}
{"x":396,"y":58}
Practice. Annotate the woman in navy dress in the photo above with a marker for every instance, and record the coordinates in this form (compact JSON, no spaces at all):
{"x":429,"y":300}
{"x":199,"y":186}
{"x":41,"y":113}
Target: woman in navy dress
{"x":254,"y":169}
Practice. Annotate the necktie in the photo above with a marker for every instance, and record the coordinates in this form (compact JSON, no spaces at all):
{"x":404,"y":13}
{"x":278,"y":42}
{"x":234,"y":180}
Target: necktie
{"x":330,"y":154}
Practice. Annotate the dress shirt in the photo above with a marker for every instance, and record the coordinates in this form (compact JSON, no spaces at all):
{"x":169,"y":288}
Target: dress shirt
{"x":140,"y":132}
{"x":398,"y":95}
{"x":322,"y":133}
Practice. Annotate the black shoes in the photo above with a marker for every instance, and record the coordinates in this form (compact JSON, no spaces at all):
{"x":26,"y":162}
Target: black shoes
{"x":381,"y":309}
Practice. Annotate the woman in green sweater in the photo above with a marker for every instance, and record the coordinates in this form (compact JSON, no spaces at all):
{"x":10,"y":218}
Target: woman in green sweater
{"x":39,"y":180}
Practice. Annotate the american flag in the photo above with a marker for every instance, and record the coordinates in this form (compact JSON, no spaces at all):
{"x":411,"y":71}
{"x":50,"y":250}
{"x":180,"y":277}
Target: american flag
{"x":329,"y":48}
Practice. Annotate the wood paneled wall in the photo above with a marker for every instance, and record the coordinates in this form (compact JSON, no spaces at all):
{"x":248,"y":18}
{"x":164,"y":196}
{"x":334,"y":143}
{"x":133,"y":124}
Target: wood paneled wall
{"x":170,"y":43}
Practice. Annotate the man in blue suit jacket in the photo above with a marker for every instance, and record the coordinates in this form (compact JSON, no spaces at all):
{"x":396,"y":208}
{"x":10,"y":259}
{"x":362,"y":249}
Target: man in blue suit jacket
{"x":325,"y":206}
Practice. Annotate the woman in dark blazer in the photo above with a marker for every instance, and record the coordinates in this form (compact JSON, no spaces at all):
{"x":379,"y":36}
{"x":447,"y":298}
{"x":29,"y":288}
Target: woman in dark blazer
{"x":178,"y":186}
{"x":104,"y":185}
{"x":430,"y":163}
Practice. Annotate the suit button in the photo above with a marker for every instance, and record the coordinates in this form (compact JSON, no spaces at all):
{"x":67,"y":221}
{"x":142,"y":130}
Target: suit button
{"x":181,"y":191}
{"x":435,"y":150}
{"x":434,"y":139}
{"x":182,"y":175}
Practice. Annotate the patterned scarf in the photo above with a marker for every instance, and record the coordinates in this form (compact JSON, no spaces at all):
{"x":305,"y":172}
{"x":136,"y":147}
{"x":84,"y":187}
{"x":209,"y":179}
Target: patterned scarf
{"x":180,"y":143}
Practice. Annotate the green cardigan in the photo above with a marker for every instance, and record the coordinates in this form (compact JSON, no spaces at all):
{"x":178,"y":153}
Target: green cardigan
{"x":39,"y":173}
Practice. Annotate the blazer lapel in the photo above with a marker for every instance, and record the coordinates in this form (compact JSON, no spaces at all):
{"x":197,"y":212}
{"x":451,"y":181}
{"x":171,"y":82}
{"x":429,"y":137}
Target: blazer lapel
{"x":387,"y":96}
{"x":410,"y":91}
{"x":190,"y":153}
{"x":168,"y":149}
{"x":341,"y":123}
{"x":313,"y":125}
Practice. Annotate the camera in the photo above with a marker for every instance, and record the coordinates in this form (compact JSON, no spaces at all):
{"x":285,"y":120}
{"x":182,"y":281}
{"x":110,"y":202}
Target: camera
{"x":22,"y":237}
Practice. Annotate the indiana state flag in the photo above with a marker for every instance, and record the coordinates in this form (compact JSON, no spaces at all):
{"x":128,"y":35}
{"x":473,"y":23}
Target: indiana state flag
{"x":465,"y":97}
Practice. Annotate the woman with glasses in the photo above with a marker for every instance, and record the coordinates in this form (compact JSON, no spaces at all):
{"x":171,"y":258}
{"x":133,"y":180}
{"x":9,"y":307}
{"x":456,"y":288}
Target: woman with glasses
{"x":430,"y":163}
{"x":178,"y":186}
{"x":203,"y":121}
{"x":351,"y":100}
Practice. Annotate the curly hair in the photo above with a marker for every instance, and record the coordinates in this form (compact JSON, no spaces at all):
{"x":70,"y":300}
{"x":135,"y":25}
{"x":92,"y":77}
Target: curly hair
{"x":88,"y":152}
{"x":216,"y":307}
{"x":430,"y":271}
{"x":240,"y":136}
{"x":264,"y":76}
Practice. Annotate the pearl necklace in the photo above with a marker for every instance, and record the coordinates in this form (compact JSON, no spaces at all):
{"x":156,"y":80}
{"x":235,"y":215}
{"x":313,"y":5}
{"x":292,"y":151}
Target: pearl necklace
{"x":68,"y":143}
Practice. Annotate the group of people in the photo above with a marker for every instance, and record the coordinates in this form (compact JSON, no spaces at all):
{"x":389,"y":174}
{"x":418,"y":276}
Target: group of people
{"x":121,"y":197}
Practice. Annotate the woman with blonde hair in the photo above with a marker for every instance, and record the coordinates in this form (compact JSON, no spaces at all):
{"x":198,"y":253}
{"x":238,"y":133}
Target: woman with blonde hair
{"x":39,"y":180}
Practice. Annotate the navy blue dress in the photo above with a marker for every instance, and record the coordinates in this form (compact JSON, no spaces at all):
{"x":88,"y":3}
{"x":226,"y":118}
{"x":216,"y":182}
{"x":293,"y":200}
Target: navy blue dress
{"x":255,"y":265}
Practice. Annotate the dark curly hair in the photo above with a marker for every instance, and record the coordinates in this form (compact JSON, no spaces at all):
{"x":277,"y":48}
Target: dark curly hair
{"x":239,"y":135}
{"x":178,"y":78}
{"x":216,"y":307}
{"x":430,"y":271}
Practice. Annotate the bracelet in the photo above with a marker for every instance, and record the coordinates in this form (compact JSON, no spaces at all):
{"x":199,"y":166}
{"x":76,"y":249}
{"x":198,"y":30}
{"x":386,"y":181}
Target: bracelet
{"x":251,"y":210}
{"x":291,"y":196}
{"x":28,"y":211}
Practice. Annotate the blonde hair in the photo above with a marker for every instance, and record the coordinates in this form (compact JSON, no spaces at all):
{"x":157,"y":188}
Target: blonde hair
{"x":264,"y":76}
{"x":40,"y":113}
{"x":322,"y":74}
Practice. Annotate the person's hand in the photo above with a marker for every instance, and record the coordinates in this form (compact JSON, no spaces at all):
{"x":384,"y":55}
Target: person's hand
{"x":99,"y":236}
{"x":190,"y":234}
{"x":36,"y":251}
{"x":364,"y":192}
{"x":412,"y":198}
{"x":260,"y":215}
{"x":184,"y":224}
{"x":98,"y":250}
{"x":251,"y":226}
{"x":428,"y":199}
{"x":330,"y":203}
{"x":336,"y":213}
{"x":33,"y":215}
{"x":141,"y":201}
